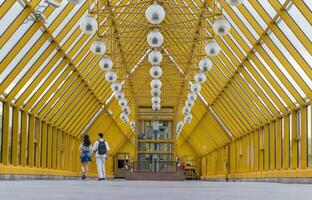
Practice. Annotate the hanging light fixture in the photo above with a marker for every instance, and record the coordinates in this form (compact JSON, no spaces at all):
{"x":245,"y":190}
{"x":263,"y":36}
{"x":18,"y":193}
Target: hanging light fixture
{"x":155,"y":100}
{"x":155,"y":57}
{"x":156,"y":72}
{"x":195,"y":87}
{"x":88,"y":25}
{"x":212,"y":48}
{"x":156,"y":107}
{"x":76,"y":2}
{"x":191,"y":96}
{"x":189,"y":104}
{"x":156,"y":84}
{"x":106,"y":64}
{"x":98,"y":47}
{"x":116,"y":87}
{"x":155,"y":92}
{"x":205,"y":65}
{"x":126,"y":110}
{"x":119,"y":95}
{"x":200,"y":77}
{"x":188,"y":118}
{"x":124,"y":117}
{"x":155,"y":39}
{"x":132,"y":124}
{"x":123,"y":102}
{"x":111,"y":76}
{"x":221,"y":26}
{"x":235,"y":2}
{"x":186,"y":110}
{"x":155,"y":14}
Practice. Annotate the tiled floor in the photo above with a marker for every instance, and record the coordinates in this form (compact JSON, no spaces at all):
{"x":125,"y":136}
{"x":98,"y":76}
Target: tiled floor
{"x":150,"y":190}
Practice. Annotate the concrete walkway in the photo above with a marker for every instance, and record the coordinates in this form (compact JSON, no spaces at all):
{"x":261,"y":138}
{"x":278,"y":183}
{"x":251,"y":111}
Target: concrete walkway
{"x":145,"y":190}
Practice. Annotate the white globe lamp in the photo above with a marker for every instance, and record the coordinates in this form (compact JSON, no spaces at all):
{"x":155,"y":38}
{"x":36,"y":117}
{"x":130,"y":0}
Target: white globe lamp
{"x":98,"y":47}
{"x":155,"y":14}
{"x":200,"y":77}
{"x":106,"y":64}
{"x":221,"y":27}
{"x":156,"y":72}
{"x":156,"y":84}
{"x":111,"y":76}
{"x":205,"y":65}
{"x":155,"y":39}
{"x":88,"y":25}
{"x":155,"y":57}
{"x":212,"y":48}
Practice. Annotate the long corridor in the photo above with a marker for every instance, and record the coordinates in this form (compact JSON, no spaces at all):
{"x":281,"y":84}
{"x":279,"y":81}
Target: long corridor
{"x":151,"y":190}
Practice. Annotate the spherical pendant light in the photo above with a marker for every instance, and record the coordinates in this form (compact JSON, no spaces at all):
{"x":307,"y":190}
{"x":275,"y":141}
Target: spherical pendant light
{"x":205,"y":65}
{"x":180,"y":124}
{"x":124,"y":117}
{"x":189,"y":104}
{"x":235,"y":2}
{"x":212,"y":48}
{"x":156,"y":107}
{"x":155,"y":14}
{"x":132,"y":124}
{"x":88,"y":25}
{"x":186,"y":110}
{"x":116,"y":86}
{"x":155,"y":92}
{"x":156,"y":72}
{"x":221,"y":26}
{"x":195,"y":87}
{"x":191,"y":96}
{"x":155,"y":100}
{"x":111,"y":76}
{"x":106,"y":64}
{"x":156,"y":84}
{"x":155,"y":57}
{"x":98,"y":47}
{"x":155,"y":39}
{"x":126,"y":110}
{"x":123,"y":102}
{"x":76,"y":2}
{"x":188,"y":118}
{"x":119,"y":96}
{"x":200,"y":77}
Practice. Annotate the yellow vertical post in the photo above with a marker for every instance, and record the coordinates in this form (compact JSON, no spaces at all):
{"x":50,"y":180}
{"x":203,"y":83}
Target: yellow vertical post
{"x":54,"y":147}
{"x":59,"y":149}
{"x":294,"y":147}
{"x":15,"y":137}
{"x":257,"y":150}
{"x":50,"y":146}
{"x":266,"y":147}
{"x":286,"y":149}
{"x":24,"y":138}
{"x":304,"y":138}
{"x":44,"y":145}
{"x":262,"y":144}
{"x":31,"y":140}
{"x":279,"y":144}
{"x":38,"y":142}
{"x":272,"y":145}
{"x":5,"y":136}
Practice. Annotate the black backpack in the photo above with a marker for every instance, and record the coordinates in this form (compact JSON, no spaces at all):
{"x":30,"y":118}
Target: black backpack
{"x":102,"y":148}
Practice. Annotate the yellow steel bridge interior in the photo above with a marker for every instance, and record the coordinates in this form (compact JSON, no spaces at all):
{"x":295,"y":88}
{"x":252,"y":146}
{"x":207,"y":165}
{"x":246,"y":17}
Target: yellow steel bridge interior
{"x":252,"y":118}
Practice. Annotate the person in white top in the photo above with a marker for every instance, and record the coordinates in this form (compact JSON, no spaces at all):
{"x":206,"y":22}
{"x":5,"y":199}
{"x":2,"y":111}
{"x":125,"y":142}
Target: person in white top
{"x":101,"y":149}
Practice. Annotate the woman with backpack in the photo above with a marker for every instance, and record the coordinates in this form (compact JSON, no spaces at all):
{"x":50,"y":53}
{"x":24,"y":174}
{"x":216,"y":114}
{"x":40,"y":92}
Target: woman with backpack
{"x":85,"y":155}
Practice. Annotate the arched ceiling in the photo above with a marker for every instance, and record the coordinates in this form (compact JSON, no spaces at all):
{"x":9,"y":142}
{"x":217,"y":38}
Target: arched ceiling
{"x":263,"y":71}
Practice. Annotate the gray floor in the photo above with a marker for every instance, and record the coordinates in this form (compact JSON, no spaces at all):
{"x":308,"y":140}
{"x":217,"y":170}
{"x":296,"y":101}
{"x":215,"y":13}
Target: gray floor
{"x":145,"y":190}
